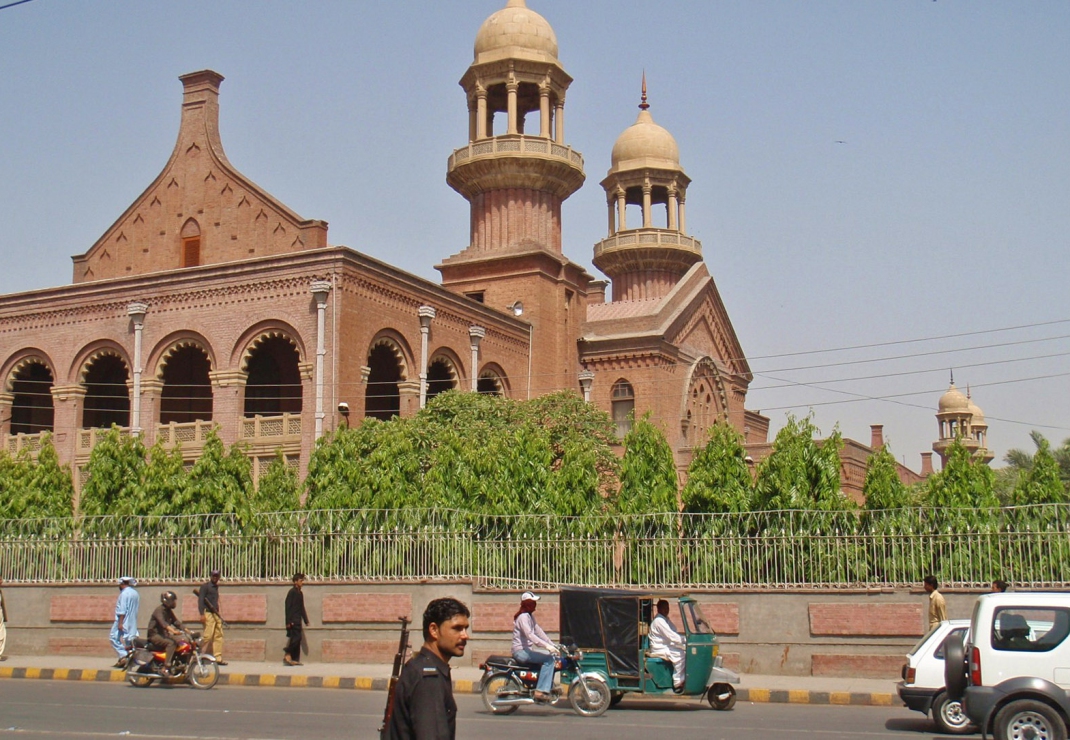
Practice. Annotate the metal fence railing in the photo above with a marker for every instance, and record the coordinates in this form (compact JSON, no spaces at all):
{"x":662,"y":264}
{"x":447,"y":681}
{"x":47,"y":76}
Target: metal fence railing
{"x":762,"y":550}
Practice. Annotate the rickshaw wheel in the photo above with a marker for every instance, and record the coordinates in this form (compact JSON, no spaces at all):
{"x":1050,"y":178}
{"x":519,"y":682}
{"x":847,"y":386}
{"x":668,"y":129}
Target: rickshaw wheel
{"x":497,"y":684}
{"x":615,"y":698}
{"x":721,"y":697}
{"x":599,"y":700}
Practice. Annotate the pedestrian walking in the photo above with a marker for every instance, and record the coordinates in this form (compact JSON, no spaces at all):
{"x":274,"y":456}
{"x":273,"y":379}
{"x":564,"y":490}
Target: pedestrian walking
{"x":296,"y":618}
{"x":424,"y":708}
{"x":3,"y":625}
{"x":124,"y":628}
{"x":937,"y":604}
{"x":208,"y":606}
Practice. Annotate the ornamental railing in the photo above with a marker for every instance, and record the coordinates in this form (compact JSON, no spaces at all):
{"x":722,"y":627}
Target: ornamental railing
{"x":657,"y":237}
{"x":515,"y":144}
{"x":760,"y":550}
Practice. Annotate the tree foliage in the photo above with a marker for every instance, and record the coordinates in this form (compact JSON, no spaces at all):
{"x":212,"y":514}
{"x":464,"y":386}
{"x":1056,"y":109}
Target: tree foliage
{"x":648,"y":481}
{"x":964,"y":482}
{"x":114,"y":483}
{"x":35,"y":489}
{"x":1041,"y":483}
{"x":719,"y":478}
{"x":882,"y":487}
{"x":799,"y":473}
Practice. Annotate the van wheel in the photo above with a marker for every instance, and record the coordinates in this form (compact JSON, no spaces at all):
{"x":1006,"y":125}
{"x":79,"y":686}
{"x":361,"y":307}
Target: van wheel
{"x":1029,"y":720}
{"x":949,"y":716}
{"x":721,"y":697}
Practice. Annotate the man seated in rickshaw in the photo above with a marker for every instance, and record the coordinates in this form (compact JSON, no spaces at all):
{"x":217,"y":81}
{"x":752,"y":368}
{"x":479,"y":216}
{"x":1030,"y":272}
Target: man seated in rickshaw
{"x":668,"y":644}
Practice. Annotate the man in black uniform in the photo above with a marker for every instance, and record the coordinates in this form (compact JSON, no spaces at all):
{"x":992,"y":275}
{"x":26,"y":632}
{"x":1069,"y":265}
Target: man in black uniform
{"x":424,"y":708}
{"x":296,"y":616}
{"x":164,"y":625}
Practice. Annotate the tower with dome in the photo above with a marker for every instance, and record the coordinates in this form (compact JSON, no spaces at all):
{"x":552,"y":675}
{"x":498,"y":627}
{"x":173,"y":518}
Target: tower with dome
{"x":959,"y":418}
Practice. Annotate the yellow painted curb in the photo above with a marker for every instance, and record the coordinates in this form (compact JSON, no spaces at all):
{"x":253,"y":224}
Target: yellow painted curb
{"x":235,"y":679}
{"x":89,"y":674}
{"x":880,"y":700}
{"x":798,"y":696}
{"x":839,"y":697}
{"x":33,"y":673}
{"x":6,"y":672}
{"x":266,"y":679}
{"x":362,"y":683}
{"x":330,"y":682}
{"x":463,"y":686}
{"x":758,"y":695}
{"x":299,"y":680}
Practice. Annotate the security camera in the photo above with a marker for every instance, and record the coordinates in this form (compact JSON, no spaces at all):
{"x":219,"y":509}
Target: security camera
{"x":343,"y":408}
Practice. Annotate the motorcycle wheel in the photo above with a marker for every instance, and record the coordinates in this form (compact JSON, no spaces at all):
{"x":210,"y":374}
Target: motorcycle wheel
{"x":721,"y":697}
{"x":203,"y":674}
{"x":138,"y":680}
{"x":494,"y":686}
{"x":592,"y":703}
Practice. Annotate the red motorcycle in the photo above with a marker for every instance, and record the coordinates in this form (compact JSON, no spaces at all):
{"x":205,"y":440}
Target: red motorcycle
{"x":189,"y":664}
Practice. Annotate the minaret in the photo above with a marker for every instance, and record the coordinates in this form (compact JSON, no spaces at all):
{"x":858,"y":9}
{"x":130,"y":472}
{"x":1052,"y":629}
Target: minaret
{"x":515,"y":172}
{"x":954,"y":420}
{"x":645,"y":260}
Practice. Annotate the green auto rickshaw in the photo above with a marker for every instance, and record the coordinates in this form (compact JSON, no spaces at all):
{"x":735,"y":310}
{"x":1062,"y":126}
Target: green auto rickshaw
{"x":610,"y":628}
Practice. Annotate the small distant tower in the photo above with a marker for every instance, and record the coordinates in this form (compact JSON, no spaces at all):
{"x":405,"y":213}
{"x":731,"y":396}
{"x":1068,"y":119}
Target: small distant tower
{"x":645,"y":260}
{"x":957,"y":417}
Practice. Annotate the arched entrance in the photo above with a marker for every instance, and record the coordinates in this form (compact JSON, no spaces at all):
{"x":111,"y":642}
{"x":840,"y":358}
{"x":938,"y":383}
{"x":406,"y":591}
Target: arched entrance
{"x":490,"y":384}
{"x":31,"y":408}
{"x":187,"y":390}
{"x":107,"y":400}
{"x":441,"y":377}
{"x":382,"y":399}
{"x":273,"y":387}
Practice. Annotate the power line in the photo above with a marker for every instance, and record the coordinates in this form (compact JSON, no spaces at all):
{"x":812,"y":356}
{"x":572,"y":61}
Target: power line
{"x":12,"y":5}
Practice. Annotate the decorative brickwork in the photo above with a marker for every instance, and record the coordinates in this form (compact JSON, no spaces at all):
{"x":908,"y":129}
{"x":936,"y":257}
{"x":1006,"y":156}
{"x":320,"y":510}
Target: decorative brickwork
{"x":367,"y":607}
{"x":361,"y":651}
{"x":723,"y":617}
{"x":857,"y":666}
{"x":235,"y":608}
{"x":866,"y":620}
{"x":83,"y":608}
{"x":487,"y":617}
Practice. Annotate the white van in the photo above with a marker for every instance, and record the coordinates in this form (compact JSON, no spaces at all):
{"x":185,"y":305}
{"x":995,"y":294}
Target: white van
{"x":922,"y":687}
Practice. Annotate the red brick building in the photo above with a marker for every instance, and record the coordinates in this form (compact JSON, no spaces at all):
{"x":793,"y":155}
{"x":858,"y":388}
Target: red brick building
{"x":209,"y":302}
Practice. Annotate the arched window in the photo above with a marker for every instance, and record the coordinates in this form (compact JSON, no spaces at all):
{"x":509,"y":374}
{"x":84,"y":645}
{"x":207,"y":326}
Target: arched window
{"x":31,"y":407}
{"x":107,"y":400}
{"x":191,"y":244}
{"x":623,"y":407}
{"x":274,"y":384}
{"x":187,"y":391}
{"x":382,"y":399}
{"x":441,"y":377}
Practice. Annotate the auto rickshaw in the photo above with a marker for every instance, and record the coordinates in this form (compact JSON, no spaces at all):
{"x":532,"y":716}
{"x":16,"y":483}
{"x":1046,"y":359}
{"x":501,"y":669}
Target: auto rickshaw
{"x":610,"y":627}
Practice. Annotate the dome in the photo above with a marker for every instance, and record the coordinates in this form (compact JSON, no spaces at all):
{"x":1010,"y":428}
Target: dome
{"x":954,"y":401}
{"x":978,"y":419}
{"x":645,"y":144}
{"x":515,"y":31}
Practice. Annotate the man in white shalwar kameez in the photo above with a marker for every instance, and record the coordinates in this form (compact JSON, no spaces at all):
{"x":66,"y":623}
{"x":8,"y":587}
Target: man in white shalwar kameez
{"x":667,"y":643}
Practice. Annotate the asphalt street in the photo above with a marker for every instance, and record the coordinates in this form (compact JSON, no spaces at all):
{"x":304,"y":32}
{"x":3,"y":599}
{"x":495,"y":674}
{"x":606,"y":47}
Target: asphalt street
{"x":65,"y":709}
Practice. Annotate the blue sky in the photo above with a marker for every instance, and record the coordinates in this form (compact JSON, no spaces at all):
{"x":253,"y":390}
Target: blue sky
{"x":945,"y":212}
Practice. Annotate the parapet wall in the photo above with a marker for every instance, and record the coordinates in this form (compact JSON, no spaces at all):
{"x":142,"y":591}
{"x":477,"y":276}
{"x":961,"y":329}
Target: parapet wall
{"x":841,"y":633}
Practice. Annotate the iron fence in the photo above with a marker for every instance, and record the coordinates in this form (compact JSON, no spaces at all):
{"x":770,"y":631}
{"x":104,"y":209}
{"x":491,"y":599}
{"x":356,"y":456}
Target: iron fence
{"x":760,"y":550}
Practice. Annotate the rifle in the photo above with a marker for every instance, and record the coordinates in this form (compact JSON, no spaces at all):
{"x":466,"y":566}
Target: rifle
{"x":395,"y":674}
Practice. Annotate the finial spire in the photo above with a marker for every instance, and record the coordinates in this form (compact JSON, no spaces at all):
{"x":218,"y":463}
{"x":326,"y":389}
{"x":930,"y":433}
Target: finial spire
{"x":643,"y":105}
{"x":516,"y":4}
{"x":968,"y":390}
{"x":952,"y":376}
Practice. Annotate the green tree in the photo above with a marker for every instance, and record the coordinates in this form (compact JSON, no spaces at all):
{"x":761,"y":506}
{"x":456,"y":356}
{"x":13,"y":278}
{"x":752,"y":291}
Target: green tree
{"x":719,"y":479}
{"x":964,"y":482}
{"x":882,"y":488}
{"x":114,"y":471}
{"x":49,"y":488}
{"x":165,"y":481}
{"x":800,"y":473}
{"x":1041,"y":484}
{"x":221,"y":481}
{"x":648,"y":481}
{"x":279,"y":488}
{"x":1020,"y":463}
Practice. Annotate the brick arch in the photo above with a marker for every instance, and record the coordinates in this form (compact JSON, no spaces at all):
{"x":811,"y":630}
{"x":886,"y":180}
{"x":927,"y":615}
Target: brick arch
{"x":21,"y":359}
{"x":170,"y":344}
{"x":256,"y":335}
{"x":705,"y":400}
{"x":397,"y":344}
{"x":453,"y":360}
{"x":93,"y":351}
{"x":494,"y":373}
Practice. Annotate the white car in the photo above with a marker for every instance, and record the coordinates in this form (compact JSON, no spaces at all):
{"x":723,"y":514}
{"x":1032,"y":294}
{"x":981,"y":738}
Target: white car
{"x":922,"y":688}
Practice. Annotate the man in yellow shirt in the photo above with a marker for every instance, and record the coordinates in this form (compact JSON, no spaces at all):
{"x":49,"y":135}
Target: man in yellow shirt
{"x":937,"y":605}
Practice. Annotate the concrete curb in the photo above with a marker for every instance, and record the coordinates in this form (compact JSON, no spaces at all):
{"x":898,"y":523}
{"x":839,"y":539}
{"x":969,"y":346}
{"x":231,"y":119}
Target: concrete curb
{"x":460,"y":686}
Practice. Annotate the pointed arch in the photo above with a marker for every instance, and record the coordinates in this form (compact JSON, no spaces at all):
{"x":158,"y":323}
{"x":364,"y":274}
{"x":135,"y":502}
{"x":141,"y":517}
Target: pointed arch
{"x":444,"y":372}
{"x":29,"y":379}
{"x":388,"y":363}
{"x":493,"y":381}
{"x":184,"y":365}
{"x":705,"y":400}
{"x":104,"y":373}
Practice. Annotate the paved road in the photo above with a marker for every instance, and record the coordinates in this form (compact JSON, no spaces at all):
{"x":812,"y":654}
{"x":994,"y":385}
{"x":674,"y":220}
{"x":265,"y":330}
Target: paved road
{"x":50,"y":710}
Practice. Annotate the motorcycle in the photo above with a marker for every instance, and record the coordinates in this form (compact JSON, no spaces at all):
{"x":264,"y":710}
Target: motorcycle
{"x":190,"y":664}
{"x":508,"y":684}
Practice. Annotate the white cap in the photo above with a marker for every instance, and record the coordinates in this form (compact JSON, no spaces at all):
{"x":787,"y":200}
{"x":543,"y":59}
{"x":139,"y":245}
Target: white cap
{"x":128,"y":581}
{"x":528,"y":596}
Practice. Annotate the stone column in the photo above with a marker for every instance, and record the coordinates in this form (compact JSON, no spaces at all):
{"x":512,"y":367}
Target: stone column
{"x":408,"y":397}
{"x":228,"y":402}
{"x":622,"y":210}
{"x":426,"y":313}
{"x":612,"y":217}
{"x":647,"y":220}
{"x":475,"y":335}
{"x":151,"y":396}
{"x":320,"y":290}
{"x":481,"y":112}
{"x":559,"y":121}
{"x":586,"y":379}
{"x":683,"y":215}
{"x":672,"y":208}
{"x":511,"y":88}
{"x":6,"y":402}
{"x":544,"y":111}
{"x":472,"y":124}
{"x":136,"y":312}
{"x":307,"y":371}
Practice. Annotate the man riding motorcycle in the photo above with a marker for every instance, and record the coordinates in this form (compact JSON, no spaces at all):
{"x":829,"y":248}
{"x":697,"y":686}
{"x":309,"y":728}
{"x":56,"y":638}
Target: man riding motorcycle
{"x":164,"y":625}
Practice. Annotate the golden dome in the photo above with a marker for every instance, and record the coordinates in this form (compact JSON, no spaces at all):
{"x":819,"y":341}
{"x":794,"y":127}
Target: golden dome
{"x":954,"y":401}
{"x":978,"y":419}
{"x":515,"y":32}
{"x":645,"y":144}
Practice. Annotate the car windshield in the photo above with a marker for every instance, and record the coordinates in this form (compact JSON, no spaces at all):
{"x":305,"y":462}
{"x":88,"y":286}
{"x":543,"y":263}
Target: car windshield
{"x":922,"y":641}
{"x":694,"y":622}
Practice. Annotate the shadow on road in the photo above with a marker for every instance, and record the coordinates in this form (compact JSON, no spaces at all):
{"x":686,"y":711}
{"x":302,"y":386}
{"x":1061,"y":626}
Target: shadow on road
{"x":919,"y":725}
